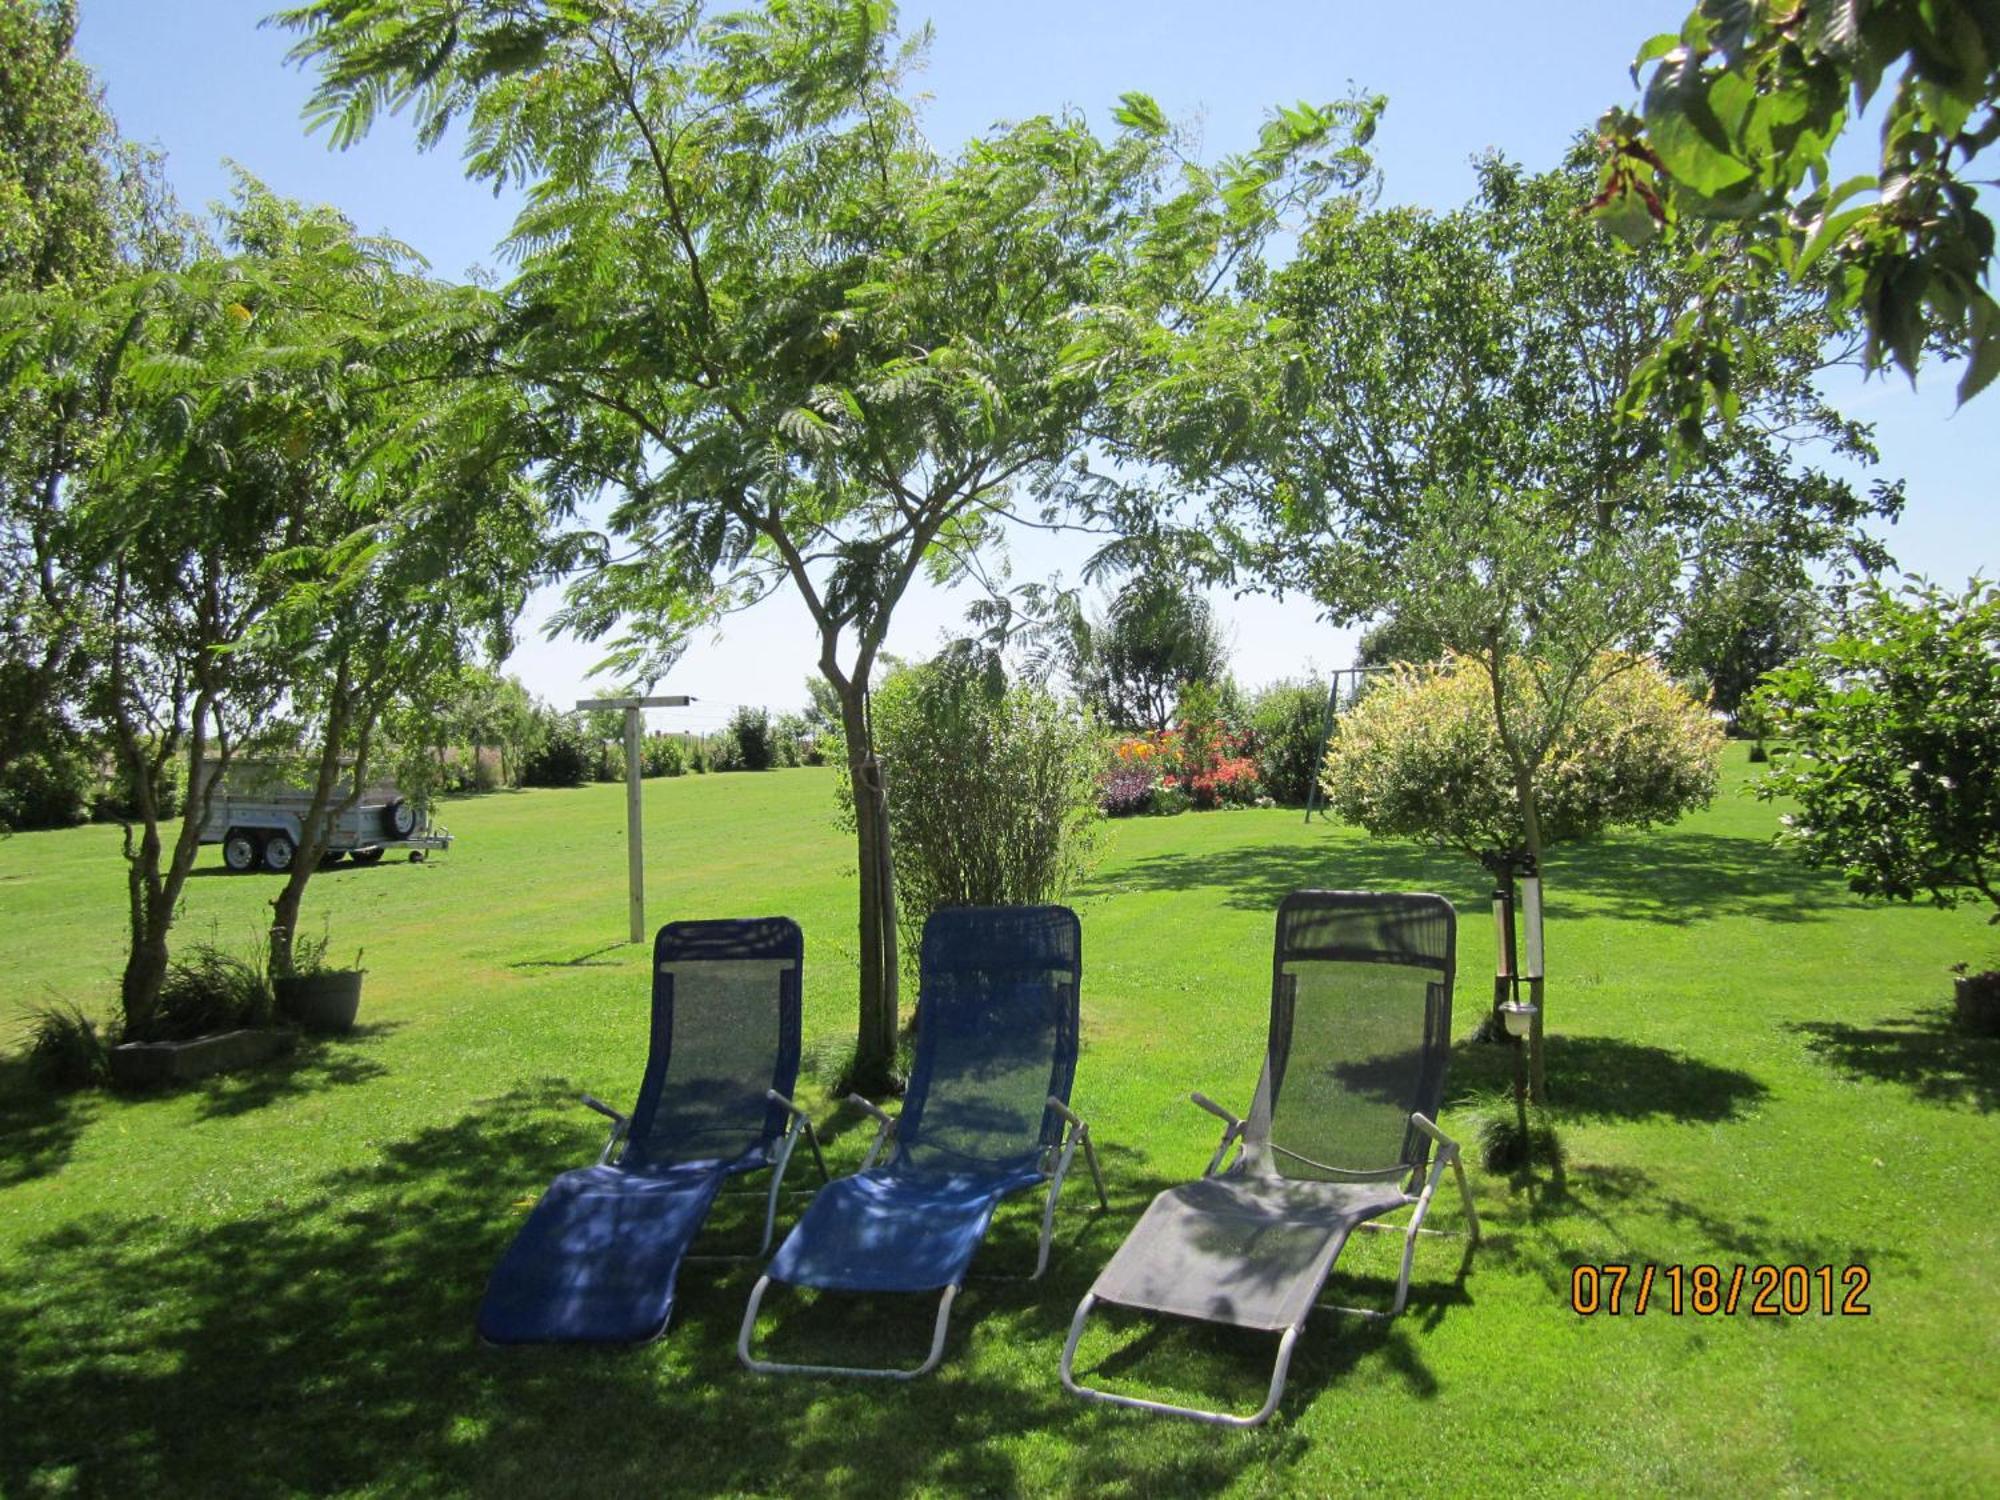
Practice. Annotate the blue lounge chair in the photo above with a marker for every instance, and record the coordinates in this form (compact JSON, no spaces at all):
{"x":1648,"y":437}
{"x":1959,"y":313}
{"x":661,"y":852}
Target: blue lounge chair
{"x":597,"y":1260}
{"x":986,"y":1115}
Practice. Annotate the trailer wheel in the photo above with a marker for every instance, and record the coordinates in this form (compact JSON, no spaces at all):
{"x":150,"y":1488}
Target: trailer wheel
{"x":366,"y":856}
{"x":278,"y":852}
{"x":240,"y":851}
{"x":329,"y":857}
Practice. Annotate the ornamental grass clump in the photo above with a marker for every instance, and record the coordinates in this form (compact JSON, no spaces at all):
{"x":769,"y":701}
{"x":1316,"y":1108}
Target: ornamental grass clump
{"x":992,"y":788}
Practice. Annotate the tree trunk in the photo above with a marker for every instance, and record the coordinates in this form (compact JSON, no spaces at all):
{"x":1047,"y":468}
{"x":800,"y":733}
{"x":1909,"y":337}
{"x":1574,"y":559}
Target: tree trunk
{"x":874,"y":1068}
{"x":315,"y":826}
{"x":155,"y":894}
{"x":1531,"y":825}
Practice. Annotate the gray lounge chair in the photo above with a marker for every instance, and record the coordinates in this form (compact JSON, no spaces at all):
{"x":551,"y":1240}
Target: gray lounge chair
{"x":1339,"y":1134}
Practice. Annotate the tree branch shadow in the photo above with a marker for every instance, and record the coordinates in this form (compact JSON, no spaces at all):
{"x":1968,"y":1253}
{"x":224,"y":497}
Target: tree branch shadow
{"x":1607,"y":1077}
{"x":1629,"y":1209}
{"x":327,"y":1344}
{"x":1926,"y":1053}
{"x":1668,"y":876}
{"x":316,"y":1063}
{"x":38,"y":1126}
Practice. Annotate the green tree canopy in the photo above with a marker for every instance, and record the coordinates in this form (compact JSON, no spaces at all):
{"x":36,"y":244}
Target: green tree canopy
{"x":803,"y":348}
{"x":1158,"y":637}
{"x":242,"y":539}
{"x":77,"y":205}
{"x":1421,"y":418}
{"x":1733,"y":626}
{"x":1732,"y":149}
{"x":1889,"y":740}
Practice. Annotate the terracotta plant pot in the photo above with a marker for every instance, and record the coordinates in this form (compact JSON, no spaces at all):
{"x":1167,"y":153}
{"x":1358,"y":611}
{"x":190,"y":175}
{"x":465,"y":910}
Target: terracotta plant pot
{"x":325,"y":1002}
{"x":1978,"y":997}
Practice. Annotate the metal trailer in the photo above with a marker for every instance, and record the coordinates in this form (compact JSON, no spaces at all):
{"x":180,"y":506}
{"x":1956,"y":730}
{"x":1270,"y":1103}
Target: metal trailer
{"x":259,"y":819}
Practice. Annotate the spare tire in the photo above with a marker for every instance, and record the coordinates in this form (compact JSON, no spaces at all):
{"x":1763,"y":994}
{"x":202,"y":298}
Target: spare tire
{"x":400,"y":817}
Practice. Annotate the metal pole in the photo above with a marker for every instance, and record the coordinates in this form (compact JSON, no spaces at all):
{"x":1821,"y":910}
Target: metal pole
{"x":635,"y":848}
{"x":1325,"y":733}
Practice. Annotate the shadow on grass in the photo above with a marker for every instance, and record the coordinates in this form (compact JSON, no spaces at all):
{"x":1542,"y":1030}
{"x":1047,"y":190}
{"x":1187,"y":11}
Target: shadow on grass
{"x":1639,"y":1222}
{"x":1926,"y":1053}
{"x":1610,"y":1078}
{"x":1677,"y":878}
{"x":327,"y":1344}
{"x":592,"y":960}
{"x":38,"y":1126}
{"x":1669,"y":877}
{"x":393,"y":861}
{"x":316,"y":1063}
{"x":1258,"y":878}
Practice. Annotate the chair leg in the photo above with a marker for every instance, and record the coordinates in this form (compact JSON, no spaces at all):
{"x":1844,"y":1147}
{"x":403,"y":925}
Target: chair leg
{"x":769,"y":1367}
{"x":1409,"y":1232}
{"x":1465,"y":1192}
{"x":1286,"y":1342}
{"x":777,"y":1181}
{"x":1446,"y":1154}
{"x":1096,"y":1176}
{"x":1049,"y":1209}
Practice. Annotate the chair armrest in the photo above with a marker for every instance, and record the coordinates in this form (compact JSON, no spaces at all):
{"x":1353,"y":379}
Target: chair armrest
{"x":872,"y":1108}
{"x":620,"y":1123}
{"x":1197,"y":1097}
{"x":1430,"y":1129}
{"x":1066,"y":1112}
{"x":802,"y":1121}
{"x":884,"y":1132}
{"x":785,"y":1104}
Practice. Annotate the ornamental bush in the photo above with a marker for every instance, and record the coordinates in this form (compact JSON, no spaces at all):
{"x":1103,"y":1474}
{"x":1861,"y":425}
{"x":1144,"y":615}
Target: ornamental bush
{"x":1420,"y":757}
{"x":1888,"y":736}
{"x":561,"y":756}
{"x":750,"y":728}
{"x":1199,"y":763}
{"x":992,"y":788}
{"x":45,"y":789}
{"x":1123,"y":791}
{"x":1285,"y":721}
{"x":662,"y":756}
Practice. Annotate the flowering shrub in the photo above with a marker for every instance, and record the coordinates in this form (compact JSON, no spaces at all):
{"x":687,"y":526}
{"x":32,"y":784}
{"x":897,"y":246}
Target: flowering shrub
{"x":1230,"y":782}
{"x":1197,"y":764}
{"x":1121,"y":792}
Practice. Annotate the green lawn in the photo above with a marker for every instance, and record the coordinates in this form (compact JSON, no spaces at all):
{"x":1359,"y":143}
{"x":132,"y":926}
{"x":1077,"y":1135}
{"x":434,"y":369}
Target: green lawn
{"x":267,"y":1285}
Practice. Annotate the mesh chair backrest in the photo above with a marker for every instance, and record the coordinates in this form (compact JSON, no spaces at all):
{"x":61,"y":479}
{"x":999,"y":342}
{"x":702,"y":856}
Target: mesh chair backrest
{"x":996,"y":1037}
{"x":1360,"y":1033}
{"x":725,"y":1031}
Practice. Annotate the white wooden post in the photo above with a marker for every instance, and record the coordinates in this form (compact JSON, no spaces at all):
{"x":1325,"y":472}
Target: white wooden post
{"x":635,"y":842}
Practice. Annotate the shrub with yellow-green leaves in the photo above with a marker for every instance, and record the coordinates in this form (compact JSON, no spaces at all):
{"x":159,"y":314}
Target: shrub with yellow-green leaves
{"x":1421,"y":755}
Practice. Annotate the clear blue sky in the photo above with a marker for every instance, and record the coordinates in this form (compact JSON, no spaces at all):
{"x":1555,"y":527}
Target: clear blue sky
{"x":199,"y":79}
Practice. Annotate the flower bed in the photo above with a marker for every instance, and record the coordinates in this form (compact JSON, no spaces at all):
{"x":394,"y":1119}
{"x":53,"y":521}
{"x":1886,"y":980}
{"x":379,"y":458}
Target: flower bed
{"x":1192,"y":765}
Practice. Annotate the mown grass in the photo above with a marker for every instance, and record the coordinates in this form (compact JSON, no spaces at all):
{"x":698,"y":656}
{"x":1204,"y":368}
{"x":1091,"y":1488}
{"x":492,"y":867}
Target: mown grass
{"x":266,"y":1284}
